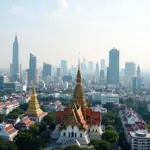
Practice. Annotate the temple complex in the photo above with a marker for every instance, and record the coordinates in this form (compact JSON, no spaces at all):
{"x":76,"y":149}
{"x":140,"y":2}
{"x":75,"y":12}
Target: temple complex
{"x":34,"y":111}
{"x":77,"y":124}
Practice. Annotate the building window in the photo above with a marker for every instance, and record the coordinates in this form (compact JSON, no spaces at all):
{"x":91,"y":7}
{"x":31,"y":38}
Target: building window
{"x":69,"y":134}
{"x":96,"y":130}
{"x":64,"y":134}
{"x":80,"y":134}
{"x":75,"y":134}
{"x":93,"y":130}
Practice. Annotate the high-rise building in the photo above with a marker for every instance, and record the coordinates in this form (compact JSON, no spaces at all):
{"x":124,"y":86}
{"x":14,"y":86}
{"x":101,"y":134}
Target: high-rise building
{"x":15,"y":61}
{"x":64,"y":67}
{"x":58,"y":73}
{"x":130,"y":69}
{"x":138,"y":72}
{"x":97,"y":70}
{"x":32,"y":71}
{"x":47,"y":69}
{"x":103,"y":67}
{"x":90,"y":67}
{"x":113,"y":69}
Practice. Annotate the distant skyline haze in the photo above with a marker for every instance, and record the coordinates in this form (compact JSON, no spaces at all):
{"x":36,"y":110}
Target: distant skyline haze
{"x":55,"y":30}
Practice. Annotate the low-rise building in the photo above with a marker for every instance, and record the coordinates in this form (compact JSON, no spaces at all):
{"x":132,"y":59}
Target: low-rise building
{"x":24,"y":124}
{"x":99,"y":108}
{"x":8,"y":106}
{"x":7,"y":132}
{"x":109,"y":98}
{"x":131,"y":121}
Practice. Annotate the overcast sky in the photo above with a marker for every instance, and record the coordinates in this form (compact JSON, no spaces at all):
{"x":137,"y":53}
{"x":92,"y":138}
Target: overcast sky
{"x":59,"y":29}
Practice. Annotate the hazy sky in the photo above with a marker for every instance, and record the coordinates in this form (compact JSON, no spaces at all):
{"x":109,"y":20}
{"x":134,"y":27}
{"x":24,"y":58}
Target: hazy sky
{"x":59,"y":29}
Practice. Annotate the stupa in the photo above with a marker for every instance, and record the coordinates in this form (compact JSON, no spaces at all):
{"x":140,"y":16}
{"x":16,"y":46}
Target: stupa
{"x":77,"y":124}
{"x":34,"y":111}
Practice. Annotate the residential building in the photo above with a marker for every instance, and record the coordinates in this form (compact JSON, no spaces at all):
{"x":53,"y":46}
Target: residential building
{"x":139,"y":140}
{"x":131,"y":122}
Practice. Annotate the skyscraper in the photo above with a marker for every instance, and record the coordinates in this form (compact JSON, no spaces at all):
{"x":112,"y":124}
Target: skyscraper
{"x":64,"y":67}
{"x":32,"y":71}
{"x":138,"y":71}
{"x":90,"y":67}
{"x":15,"y":61}
{"x":130,"y":69}
{"x":97,"y":70}
{"x":113,"y":68}
{"x":102,"y":64}
{"x":47,"y":69}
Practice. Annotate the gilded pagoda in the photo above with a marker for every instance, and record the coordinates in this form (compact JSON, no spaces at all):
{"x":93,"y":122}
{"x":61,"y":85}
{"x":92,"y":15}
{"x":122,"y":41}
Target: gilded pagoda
{"x":34,"y":111}
{"x":77,"y":124}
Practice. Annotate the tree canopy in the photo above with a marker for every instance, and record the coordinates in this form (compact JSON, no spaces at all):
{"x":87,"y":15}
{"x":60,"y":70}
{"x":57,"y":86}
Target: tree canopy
{"x":110,"y":136}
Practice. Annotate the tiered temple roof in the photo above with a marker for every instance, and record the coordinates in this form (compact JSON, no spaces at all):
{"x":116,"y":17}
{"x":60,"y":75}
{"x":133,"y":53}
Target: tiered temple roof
{"x":78,"y":114}
{"x":34,"y":109}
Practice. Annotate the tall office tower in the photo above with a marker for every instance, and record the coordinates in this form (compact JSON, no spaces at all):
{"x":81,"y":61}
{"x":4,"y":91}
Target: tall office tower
{"x":64,"y":67}
{"x":32,"y":71}
{"x":97,"y":70}
{"x":15,"y":61}
{"x":138,"y":72}
{"x":90,"y":67}
{"x":103,"y":67}
{"x":58,"y":73}
{"x":130,"y":69}
{"x":47,"y":70}
{"x":113,"y":69}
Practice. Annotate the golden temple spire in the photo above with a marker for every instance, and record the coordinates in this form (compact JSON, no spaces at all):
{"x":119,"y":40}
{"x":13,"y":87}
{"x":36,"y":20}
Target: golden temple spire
{"x":34,"y":107}
{"x":78,"y":95}
{"x":78,"y":73}
{"x":33,"y":89}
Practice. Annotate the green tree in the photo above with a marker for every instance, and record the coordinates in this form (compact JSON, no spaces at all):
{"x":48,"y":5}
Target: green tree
{"x":109,"y":127}
{"x":111,"y":136}
{"x":2,"y":118}
{"x":24,"y":106}
{"x":101,"y":144}
{"x":58,"y":148}
{"x":48,"y":119}
{"x":24,"y":140}
{"x":34,"y":129}
{"x":2,"y":144}
{"x":12,"y":146}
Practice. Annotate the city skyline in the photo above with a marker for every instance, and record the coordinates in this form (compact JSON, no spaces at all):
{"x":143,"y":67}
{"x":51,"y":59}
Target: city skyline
{"x":64,"y":28}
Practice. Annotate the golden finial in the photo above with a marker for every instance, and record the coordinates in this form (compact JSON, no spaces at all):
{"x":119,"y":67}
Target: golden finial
{"x":33,"y":89}
{"x":78,"y":73}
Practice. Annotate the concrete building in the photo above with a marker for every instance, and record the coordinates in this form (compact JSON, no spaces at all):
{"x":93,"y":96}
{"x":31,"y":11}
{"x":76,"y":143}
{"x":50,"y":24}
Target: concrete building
{"x":139,"y":140}
{"x":47,"y":70}
{"x":32,"y":71}
{"x":64,"y":67}
{"x":109,"y":98}
{"x":130,"y":72}
{"x":113,"y":68}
